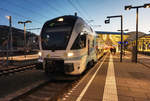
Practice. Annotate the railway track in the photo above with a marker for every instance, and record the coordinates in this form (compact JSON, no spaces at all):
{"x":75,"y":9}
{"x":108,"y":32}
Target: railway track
{"x":53,"y":90}
{"x":50,"y":91}
{"x":13,"y":70}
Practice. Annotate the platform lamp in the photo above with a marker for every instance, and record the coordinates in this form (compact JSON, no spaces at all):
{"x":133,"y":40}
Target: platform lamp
{"x":24,"y":23}
{"x":9,"y":42}
{"x":137,"y":14}
{"x":121,"y":29}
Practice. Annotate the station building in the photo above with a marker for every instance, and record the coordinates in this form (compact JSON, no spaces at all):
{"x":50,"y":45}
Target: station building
{"x":143,"y":41}
{"x":110,"y":39}
{"x":17,"y":38}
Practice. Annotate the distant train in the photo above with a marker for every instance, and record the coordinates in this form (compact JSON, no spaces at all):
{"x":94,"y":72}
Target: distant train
{"x":67,"y":45}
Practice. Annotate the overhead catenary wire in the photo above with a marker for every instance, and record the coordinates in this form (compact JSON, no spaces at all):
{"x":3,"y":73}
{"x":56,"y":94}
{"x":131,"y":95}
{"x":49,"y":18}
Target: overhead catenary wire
{"x":61,"y":4}
{"x":53,"y":7}
{"x":77,"y":9}
{"x":68,"y":6}
{"x":85,"y":12}
{"x":50,"y":7}
{"x":79,"y":5}
{"x":19,"y":15}
{"x":25,"y":9}
{"x":70,"y":2}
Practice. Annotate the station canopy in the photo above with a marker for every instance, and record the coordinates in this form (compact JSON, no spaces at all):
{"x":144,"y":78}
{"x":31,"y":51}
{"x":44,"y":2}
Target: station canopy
{"x":111,"y":38}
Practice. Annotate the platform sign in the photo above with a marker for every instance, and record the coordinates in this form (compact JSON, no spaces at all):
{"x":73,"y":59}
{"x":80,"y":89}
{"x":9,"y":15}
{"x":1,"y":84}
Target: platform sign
{"x":126,"y":42}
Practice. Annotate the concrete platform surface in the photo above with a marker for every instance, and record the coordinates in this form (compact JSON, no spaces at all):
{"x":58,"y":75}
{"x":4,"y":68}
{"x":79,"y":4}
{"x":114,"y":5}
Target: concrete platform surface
{"x":112,"y":80}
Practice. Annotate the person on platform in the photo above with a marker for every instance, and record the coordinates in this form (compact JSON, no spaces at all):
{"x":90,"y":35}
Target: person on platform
{"x":111,"y":49}
{"x":114,"y":50}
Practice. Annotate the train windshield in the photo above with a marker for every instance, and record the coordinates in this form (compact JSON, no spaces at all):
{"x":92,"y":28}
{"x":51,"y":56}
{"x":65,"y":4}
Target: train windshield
{"x":56,"y":34}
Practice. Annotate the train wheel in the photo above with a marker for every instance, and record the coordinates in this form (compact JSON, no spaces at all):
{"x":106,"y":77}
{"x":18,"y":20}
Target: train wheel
{"x":91,"y":63}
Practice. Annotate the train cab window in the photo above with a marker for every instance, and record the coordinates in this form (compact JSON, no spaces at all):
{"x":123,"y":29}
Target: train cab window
{"x":83,"y":41}
{"x":55,"y":38}
{"x":80,"y":41}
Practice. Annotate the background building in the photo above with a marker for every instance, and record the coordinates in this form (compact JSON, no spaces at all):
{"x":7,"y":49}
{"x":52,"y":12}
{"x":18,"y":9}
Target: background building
{"x":17,"y":39}
{"x":111,"y":39}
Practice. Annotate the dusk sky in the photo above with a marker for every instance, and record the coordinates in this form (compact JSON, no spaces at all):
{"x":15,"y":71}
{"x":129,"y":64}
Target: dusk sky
{"x":39,"y":11}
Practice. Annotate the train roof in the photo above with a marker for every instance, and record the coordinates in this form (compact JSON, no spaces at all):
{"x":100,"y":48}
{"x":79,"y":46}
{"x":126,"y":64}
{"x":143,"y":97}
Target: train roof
{"x":65,"y":16}
{"x":72,"y":19}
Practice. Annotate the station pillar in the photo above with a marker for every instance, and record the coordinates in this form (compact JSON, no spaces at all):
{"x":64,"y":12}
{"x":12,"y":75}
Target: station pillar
{"x":134,"y":54}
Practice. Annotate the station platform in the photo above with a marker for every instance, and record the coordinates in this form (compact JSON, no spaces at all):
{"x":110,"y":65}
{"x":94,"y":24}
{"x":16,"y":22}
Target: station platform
{"x":112,"y":80}
{"x":21,"y":57}
{"x":14,"y":61}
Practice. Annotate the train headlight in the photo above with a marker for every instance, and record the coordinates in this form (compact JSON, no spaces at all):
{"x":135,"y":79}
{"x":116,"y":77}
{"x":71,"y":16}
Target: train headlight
{"x":70,"y":54}
{"x":60,"y":20}
{"x":40,"y":53}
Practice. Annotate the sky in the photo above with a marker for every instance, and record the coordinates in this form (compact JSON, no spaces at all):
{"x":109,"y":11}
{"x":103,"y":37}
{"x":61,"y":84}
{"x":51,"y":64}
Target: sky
{"x":94,"y":12}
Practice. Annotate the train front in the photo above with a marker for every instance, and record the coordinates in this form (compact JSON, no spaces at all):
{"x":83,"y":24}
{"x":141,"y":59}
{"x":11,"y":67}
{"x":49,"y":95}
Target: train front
{"x":55,"y":36}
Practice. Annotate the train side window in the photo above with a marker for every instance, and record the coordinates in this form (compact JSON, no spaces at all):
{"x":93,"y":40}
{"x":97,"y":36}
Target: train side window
{"x":83,"y":41}
{"x":93,"y":43}
{"x":80,"y":42}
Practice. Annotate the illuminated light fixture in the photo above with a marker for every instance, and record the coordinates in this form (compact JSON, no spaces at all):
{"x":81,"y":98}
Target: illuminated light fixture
{"x":21,"y":22}
{"x":28,"y":21}
{"x":70,"y":54}
{"x":128,"y":7}
{"x":82,"y":33}
{"x":40,"y":53}
{"x":60,"y":19}
{"x":8,"y":17}
{"x":146,"y":5}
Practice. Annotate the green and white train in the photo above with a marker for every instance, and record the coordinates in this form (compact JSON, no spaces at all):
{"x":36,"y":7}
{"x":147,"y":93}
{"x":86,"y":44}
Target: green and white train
{"x":67,"y":45}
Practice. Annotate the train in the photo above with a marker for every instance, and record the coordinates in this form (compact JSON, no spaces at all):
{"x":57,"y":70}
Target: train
{"x":67,"y":45}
